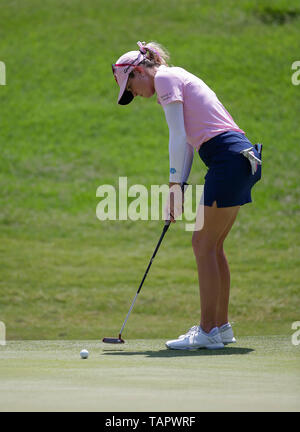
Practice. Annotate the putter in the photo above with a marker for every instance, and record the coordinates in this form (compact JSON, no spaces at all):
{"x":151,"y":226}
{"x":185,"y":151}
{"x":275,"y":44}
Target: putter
{"x":119,"y":339}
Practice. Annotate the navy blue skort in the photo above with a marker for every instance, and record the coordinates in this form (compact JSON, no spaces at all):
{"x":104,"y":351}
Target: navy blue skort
{"x":229,"y":179}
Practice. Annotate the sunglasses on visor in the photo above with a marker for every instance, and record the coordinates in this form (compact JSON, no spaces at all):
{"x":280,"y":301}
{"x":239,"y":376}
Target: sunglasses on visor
{"x":114,"y":66}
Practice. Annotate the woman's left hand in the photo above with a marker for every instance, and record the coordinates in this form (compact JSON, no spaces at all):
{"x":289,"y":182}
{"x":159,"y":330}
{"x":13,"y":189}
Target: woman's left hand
{"x":174,"y":206}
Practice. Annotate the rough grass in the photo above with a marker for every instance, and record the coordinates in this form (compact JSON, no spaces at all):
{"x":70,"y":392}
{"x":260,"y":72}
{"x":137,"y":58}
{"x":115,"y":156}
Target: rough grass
{"x":64,"y":274}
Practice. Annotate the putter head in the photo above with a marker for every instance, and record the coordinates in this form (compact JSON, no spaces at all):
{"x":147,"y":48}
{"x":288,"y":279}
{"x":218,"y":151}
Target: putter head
{"x":118,"y":340}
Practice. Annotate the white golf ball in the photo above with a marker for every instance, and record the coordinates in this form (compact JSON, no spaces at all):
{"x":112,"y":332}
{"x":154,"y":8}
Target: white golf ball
{"x":84,"y":354}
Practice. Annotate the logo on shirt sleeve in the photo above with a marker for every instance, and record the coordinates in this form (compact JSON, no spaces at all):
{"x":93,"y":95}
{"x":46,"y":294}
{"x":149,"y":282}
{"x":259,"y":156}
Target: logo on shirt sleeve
{"x":172,"y":170}
{"x":166,"y":96}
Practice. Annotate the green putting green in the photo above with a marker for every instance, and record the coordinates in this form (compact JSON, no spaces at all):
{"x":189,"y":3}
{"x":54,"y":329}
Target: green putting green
{"x":256,"y":374}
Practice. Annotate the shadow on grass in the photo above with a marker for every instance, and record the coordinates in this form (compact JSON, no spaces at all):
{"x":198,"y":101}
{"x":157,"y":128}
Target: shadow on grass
{"x":180,"y":353}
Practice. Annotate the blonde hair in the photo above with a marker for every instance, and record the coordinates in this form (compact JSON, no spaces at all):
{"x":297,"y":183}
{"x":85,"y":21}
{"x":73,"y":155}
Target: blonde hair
{"x":156,"y":54}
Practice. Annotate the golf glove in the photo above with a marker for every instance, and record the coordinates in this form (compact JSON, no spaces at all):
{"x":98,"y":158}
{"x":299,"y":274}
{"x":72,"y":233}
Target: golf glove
{"x":254,"y":161}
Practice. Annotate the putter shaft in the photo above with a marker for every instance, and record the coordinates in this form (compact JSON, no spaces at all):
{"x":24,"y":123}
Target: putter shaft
{"x":165,"y":229}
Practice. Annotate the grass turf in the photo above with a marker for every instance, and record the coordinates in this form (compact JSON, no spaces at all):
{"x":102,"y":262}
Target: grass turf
{"x":64,"y":274}
{"x":144,"y":376}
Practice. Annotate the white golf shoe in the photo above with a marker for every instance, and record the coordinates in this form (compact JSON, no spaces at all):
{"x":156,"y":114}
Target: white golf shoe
{"x":190,"y":331}
{"x":226,"y":334}
{"x":197,"y":339}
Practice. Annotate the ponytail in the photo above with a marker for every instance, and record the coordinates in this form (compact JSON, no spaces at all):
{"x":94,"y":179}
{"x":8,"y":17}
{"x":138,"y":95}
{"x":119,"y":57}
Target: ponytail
{"x":155,"y":54}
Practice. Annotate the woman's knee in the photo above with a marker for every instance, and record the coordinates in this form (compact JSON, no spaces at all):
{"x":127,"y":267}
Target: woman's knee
{"x":220,"y":248}
{"x":203,"y":244}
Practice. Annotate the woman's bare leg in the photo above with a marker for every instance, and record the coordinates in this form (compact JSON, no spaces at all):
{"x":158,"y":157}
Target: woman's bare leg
{"x":223,"y":299}
{"x":214,"y":293}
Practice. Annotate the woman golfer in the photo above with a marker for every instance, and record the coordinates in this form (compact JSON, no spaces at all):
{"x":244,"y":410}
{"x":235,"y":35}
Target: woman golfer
{"x":198,"y":121}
